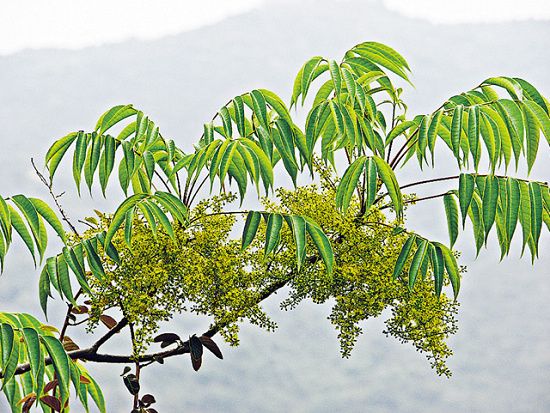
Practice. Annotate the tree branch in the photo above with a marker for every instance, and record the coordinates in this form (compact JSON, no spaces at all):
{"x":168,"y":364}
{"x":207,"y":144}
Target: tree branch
{"x":91,"y":354}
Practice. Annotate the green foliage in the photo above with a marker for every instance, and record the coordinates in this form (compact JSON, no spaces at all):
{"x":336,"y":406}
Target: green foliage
{"x":25,"y":340}
{"x":162,"y":253}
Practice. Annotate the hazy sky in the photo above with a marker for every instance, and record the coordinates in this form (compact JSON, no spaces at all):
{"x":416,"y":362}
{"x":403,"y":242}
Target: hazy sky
{"x":79,"y":23}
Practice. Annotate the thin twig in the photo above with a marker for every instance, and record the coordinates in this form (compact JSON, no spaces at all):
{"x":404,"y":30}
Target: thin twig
{"x":49,"y":184}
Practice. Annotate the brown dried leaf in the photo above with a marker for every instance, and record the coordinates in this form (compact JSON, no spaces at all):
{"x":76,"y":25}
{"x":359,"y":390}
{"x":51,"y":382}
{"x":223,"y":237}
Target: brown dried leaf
{"x":109,"y":321}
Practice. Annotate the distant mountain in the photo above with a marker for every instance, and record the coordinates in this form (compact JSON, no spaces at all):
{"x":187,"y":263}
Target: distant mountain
{"x":502,"y":362}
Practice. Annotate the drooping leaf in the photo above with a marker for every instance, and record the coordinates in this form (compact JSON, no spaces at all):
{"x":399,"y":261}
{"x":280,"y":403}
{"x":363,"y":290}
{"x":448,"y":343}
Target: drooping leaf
{"x":403,"y":255}
{"x":250,"y":228}
{"x":451,"y":212}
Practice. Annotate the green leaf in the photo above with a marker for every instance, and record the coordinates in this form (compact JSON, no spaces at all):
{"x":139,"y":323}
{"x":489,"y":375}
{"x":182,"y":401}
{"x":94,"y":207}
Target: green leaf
{"x":79,"y":157}
{"x":473,"y":134}
{"x":44,"y":290}
{"x":433,"y":130}
{"x":370,"y":184}
{"x":298,"y":225}
{"x":438,"y":265}
{"x":540,"y":116}
{"x":239,"y":116}
{"x":76,"y":268}
{"x":128,"y":219}
{"x":348,"y":183}
{"x":532,"y":136}
{"x":476,"y":216}
{"x":266,"y":170}
{"x":535,"y":193}
{"x":273,"y":232}
{"x":321,"y":242}
{"x":51,"y":218}
{"x":30,"y":214}
{"x":260,"y":110}
{"x":336,"y":76}
{"x":284,"y":142}
{"x":113,"y":116}
{"x":250,"y":228}
{"x":515,"y":124}
{"x":60,"y":362}
{"x":384,"y":56}
{"x":490,"y":198}
{"x":10,"y":352}
{"x":456,"y":130}
{"x":506,"y":83}
{"x":466,"y":184}
{"x":149,"y":216}
{"x":451,"y":211}
{"x":173,"y":204}
{"x":5,"y":220}
{"x":512,"y":206}
{"x":95,"y":392}
{"x":390,"y":181}
{"x":92,"y":159}
{"x":451,"y":266}
{"x":351,"y":86}
{"x":120,"y":214}
{"x":93,"y":260}
{"x":416,"y":262}
{"x":162,"y":219}
{"x":532,"y":93}
{"x":403,"y":255}
{"x":149,"y":163}
{"x":106,"y":162}
{"x":62,"y":271}
{"x":19,"y":226}
{"x":306,"y":78}
{"x":399,"y":129}
{"x":57,"y":151}
{"x":34,"y":351}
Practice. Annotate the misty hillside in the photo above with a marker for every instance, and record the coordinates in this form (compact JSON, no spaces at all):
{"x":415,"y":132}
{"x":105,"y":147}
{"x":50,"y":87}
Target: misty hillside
{"x":502,"y":361}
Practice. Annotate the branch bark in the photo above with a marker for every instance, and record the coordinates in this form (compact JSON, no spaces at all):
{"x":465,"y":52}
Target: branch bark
{"x":90,"y":354}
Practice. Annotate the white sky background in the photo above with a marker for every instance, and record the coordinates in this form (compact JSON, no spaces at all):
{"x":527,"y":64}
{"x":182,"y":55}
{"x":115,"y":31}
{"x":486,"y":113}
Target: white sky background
{"x":79,"y":23}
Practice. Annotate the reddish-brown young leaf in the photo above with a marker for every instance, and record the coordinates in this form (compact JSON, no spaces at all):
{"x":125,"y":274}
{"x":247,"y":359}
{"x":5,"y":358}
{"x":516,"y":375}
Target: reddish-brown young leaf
{"x":28,"y":404}
{"x":166,"y":339}
{"x":196,"y":363}
{"x":26,"y":398}
{"x":195,"y":350}
{"x":84,"y":380}
{"x":52,"y":402}
{"x":147,"y":400}
{"x":49,"y":386}
{"x":132,"y":384}
{"x":69,"y":344}
{"x":79,"y":309}
{"x":109,"y":321}
{"x":195,"y":347}
{"x":210,"y":345}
